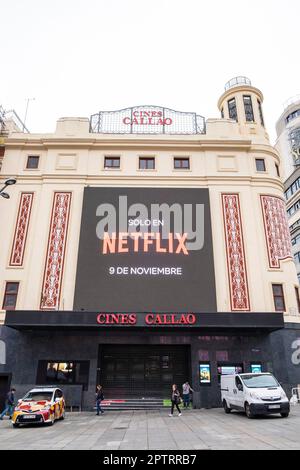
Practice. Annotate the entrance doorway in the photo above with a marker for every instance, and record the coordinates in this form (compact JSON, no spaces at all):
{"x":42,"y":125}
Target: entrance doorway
{"x":5,"y":380}
{"x":142,"y":371}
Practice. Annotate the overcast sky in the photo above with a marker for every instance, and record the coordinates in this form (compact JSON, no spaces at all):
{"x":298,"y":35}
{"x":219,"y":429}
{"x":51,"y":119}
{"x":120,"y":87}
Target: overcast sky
{"x":76,"y":57}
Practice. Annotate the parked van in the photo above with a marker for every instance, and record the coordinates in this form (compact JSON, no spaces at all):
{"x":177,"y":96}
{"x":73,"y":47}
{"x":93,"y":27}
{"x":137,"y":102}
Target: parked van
{"x":256,"y":394}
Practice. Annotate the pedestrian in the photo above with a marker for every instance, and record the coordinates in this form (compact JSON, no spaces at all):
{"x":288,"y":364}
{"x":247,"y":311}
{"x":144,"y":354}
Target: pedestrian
{"x":99,"y":398}
{"x":10,"y":403}
{"x":186,"y":390}
{"x":175,"y":399}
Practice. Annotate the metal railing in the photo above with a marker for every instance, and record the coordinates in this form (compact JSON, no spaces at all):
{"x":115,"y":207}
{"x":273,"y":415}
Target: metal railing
{"x":11,"y":114}
{"x":237,"y":81}
{"x":292,"y":100}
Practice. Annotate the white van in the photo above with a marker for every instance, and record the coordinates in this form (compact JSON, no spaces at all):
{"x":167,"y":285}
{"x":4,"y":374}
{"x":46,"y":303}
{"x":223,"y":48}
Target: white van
{"x":256,"y":394}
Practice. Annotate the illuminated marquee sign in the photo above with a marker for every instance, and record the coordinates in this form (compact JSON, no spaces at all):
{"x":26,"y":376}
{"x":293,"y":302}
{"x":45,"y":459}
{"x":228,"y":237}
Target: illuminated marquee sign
{"x":147,"y":120}
{"x":163,"y":319}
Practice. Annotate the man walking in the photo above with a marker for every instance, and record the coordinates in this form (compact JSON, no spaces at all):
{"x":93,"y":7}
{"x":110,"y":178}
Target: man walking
{"x":10,"y":402}
{"x":186,"y":390}
{"x":99,"y":398}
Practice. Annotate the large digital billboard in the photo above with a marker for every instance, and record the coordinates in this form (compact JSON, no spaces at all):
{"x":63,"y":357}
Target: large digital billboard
{"x":145,"y":250}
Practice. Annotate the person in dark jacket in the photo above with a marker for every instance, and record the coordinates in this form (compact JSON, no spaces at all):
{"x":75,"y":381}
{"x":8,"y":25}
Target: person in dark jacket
{"x":175,"y":400}
{"x":10,"y":403}
{"x":99,"y":398}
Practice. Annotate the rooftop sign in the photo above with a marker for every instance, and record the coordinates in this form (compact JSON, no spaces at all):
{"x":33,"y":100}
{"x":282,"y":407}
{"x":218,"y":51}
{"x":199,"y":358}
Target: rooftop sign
{"x":147,"y":120}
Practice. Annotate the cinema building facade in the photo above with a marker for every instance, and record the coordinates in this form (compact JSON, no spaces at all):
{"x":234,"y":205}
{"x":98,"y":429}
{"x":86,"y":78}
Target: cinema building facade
{"x":146,"y":247}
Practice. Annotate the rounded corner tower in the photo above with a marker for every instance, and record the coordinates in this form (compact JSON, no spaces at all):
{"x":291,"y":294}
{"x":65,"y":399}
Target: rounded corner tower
{"x":242,"y":103}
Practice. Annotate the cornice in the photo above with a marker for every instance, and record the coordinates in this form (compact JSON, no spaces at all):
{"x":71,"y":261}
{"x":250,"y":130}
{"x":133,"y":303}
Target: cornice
{"x":124,"y":180}
{"x":128,"y":144}
{"x":115,"y":143}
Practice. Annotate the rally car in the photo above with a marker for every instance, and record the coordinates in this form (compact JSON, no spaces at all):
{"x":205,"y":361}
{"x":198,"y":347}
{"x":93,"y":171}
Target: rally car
{"x":40,"y":405}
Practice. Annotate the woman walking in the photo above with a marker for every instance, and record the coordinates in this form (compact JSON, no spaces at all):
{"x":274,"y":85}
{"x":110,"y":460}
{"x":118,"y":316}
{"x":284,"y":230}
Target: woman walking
{"x":99,"y":398}
{"x":175,"y":399}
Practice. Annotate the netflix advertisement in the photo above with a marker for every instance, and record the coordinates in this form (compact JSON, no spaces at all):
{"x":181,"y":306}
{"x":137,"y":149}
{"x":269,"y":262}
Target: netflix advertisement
{"x":145,"y":250}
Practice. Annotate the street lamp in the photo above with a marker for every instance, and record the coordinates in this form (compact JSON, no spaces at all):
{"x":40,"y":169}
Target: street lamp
{"x":8,"y":182}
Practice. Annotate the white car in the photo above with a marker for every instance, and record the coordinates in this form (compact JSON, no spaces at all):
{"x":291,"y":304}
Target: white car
{"x":256,"y":394}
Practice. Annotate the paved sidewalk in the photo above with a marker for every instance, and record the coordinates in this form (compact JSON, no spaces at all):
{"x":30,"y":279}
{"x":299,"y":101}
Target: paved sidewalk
{"x":197,"y":429}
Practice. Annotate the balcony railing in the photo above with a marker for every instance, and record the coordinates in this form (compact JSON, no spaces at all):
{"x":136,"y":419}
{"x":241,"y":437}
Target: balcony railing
{"x":237,"y":81}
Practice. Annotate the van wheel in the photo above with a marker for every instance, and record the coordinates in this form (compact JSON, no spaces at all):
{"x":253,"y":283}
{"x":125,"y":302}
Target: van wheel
{"x":248,"y":411}
{"x":226,"y":408}
{"x":284,"y":415}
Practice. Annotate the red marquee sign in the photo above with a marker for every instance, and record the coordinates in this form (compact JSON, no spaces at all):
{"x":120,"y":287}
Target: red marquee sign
{"x":163,"y":319}
{"x":147,"y":117}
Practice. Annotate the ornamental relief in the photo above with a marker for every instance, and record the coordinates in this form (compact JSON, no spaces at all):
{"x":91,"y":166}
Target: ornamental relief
{"x":21,"y":230}
{"x":56,"y":251}
{"x":277,"y":232}
{"x":235,"y":253}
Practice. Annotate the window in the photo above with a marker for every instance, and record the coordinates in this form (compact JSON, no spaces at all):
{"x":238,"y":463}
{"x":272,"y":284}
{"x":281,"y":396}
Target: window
{"x":10,"y":296}
{"x":112,"y":162}
{"x":260,"y":164}
{"x":297,"y":298}
{"x":278,"y":297}
{"x":222,"y":113}
{"x":228,"y":369}
{"x":146,"y":163}
{"x":297,"y":257}
{"x":292,"y":189}
{"x":294,"y":225}
{"x":261,"y":116}
{"x":238,"y":383}
{"x":32,"y":162}
{"x":293,"y":208}
{"x":277,"y":170}
{"x":248,"y":108}
{"x":58,"y":394}
{"x":64,"y":373}
{"x":222,"y":356}
{"x":182,"y":163}
{"x":232,"y":109}
{"x":260,"y":381}
{"x":294,"y":139}
{"x":38,"y":396}
{"x":296,"y":239}
{"x":255,"y":368}
{"x":292,"y":115}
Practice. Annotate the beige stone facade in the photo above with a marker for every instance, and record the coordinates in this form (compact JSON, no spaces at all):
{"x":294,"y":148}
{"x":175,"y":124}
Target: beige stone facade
{"x":222,"y":160}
